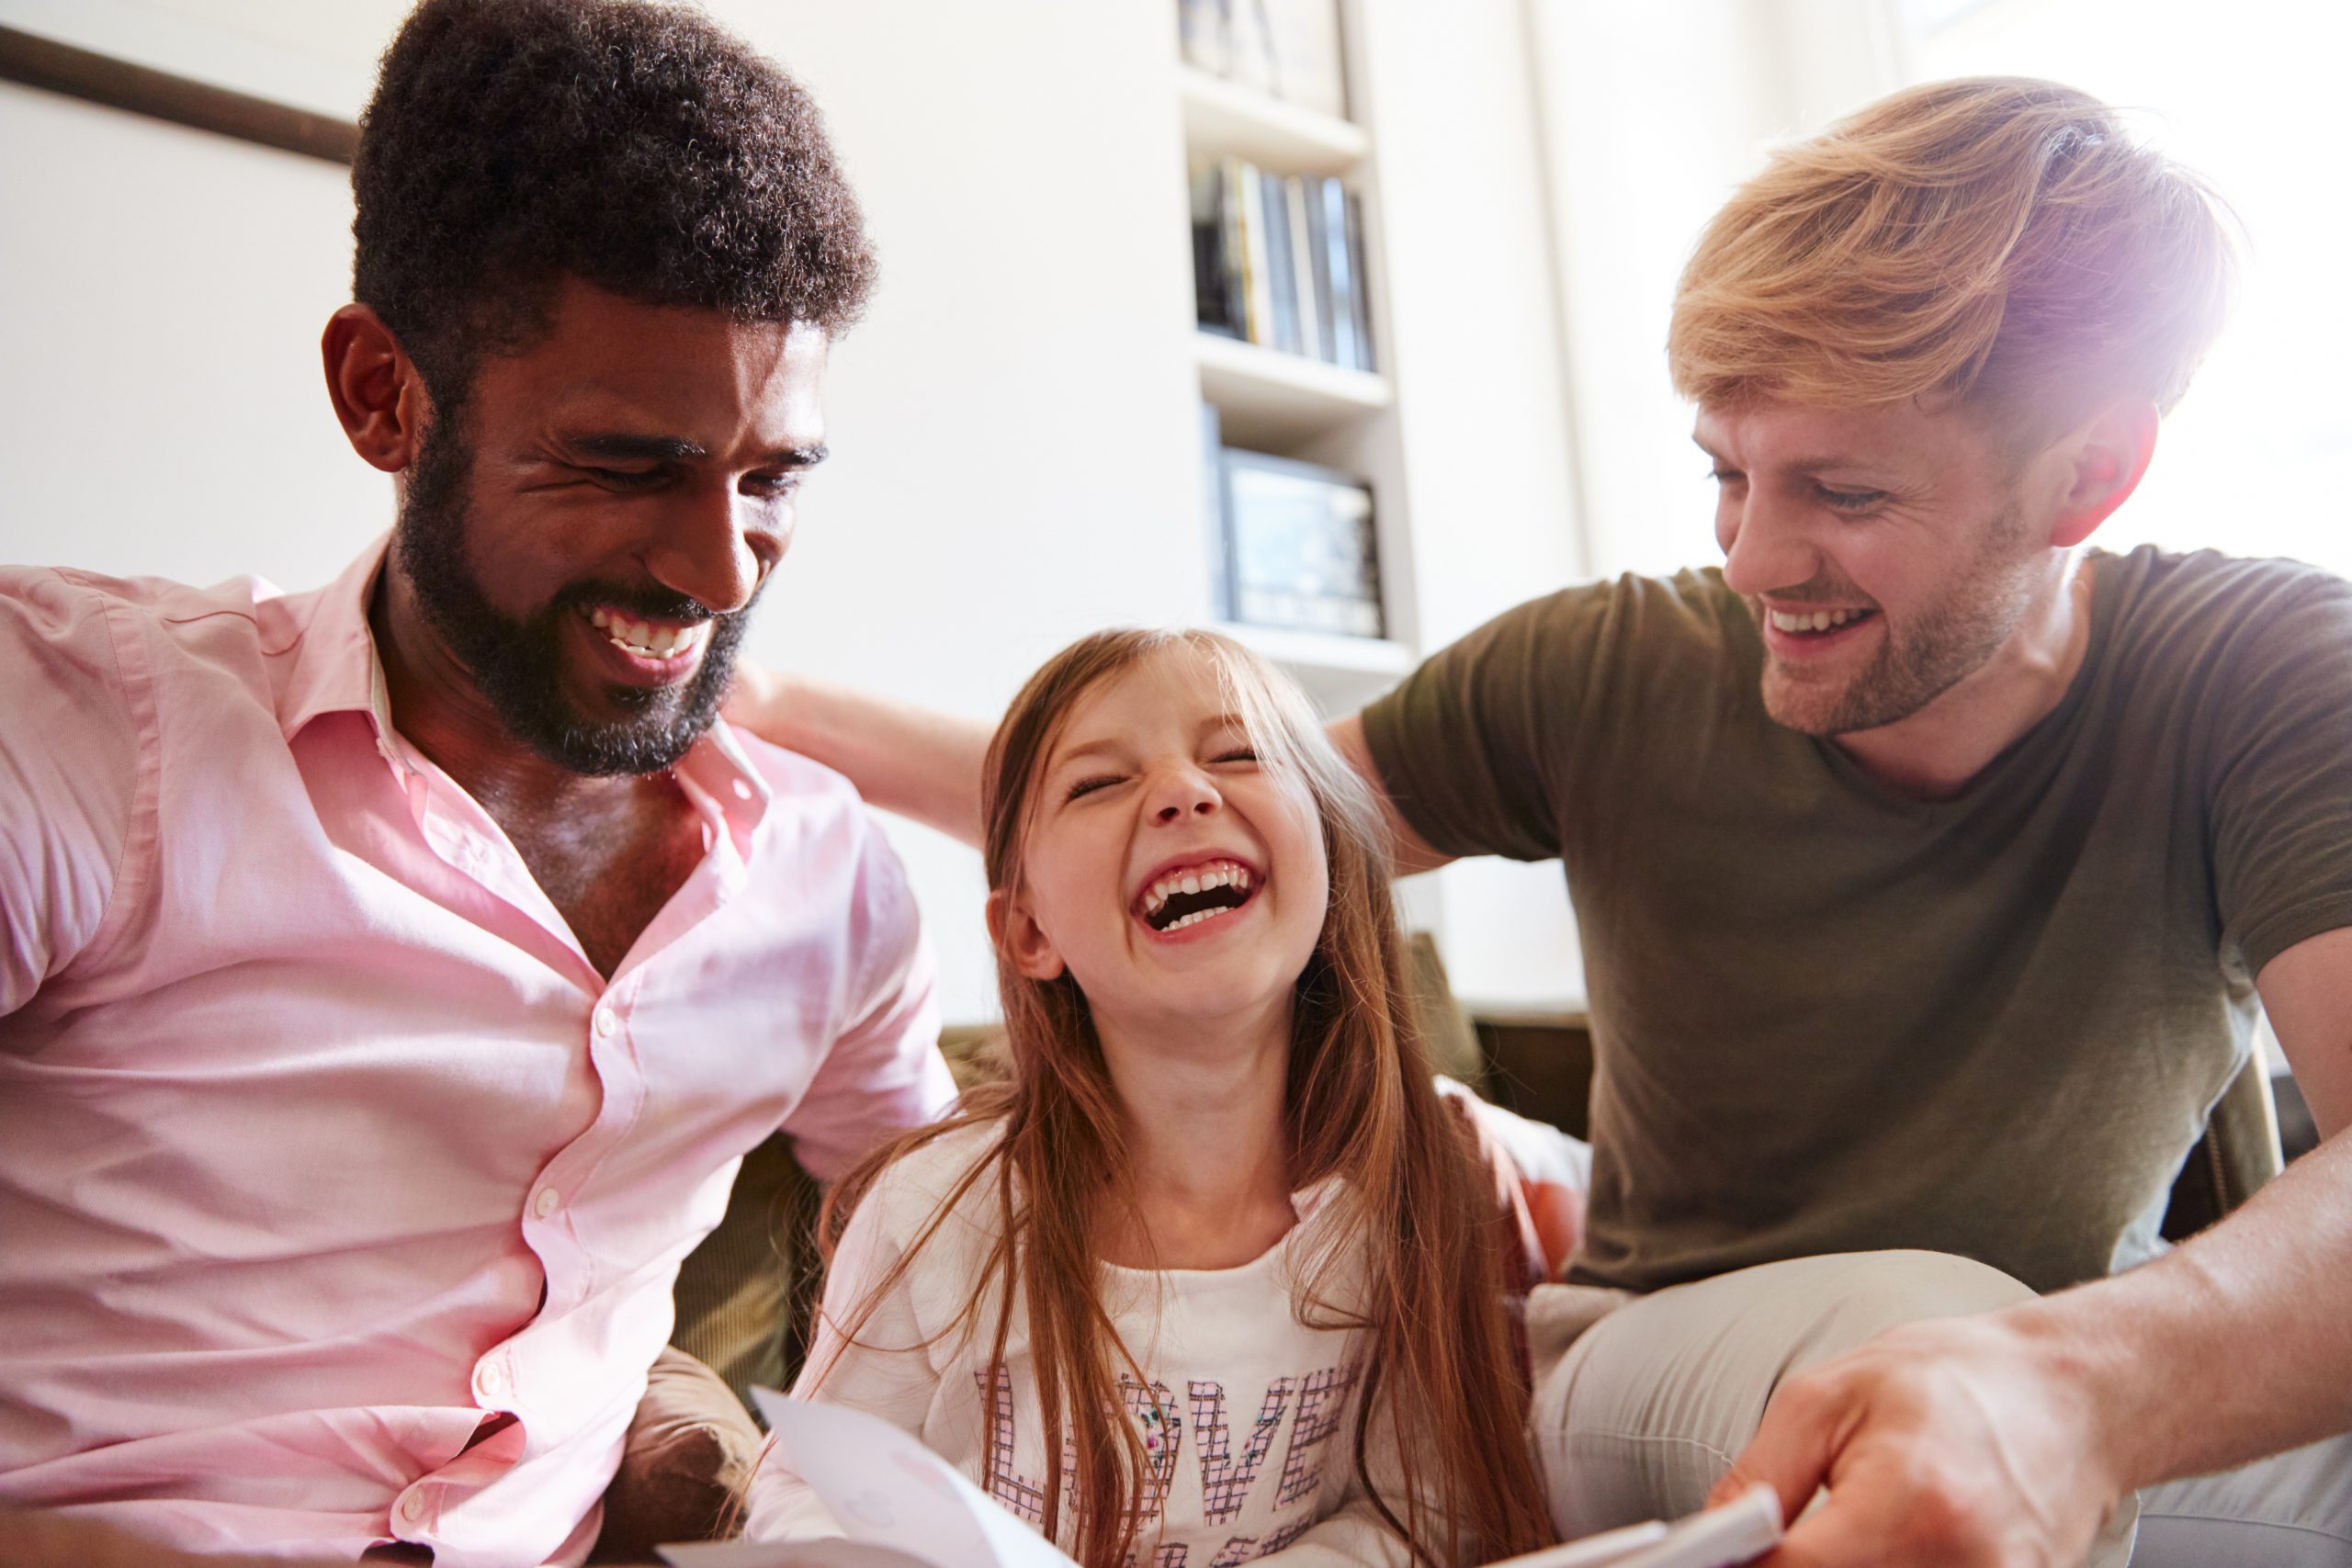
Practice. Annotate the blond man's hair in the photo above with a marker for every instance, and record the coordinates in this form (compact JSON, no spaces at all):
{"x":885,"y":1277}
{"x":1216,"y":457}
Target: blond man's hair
{"x":2002,"y":243}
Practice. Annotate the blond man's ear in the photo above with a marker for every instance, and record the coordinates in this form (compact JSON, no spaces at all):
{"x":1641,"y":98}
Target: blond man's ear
{"x":1017,"y":935}
{"x":2105,"y":461}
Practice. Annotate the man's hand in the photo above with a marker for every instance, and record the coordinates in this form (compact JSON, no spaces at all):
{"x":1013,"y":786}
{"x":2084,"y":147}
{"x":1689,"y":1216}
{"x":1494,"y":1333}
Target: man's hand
{"x":912,"y":760}
{"x":756,"y":699}
{"x":1960,"y":1441}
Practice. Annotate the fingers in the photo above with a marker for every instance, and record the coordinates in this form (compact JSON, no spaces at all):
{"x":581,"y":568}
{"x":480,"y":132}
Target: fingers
{"x":1829,"y":1540}
{"x":1883,"y":1517}
{"x":1792,"y":1452}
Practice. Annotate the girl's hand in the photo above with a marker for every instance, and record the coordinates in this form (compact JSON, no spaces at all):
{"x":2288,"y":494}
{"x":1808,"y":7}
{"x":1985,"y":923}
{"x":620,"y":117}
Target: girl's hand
{"x":1537,"y":1177}
{"x":1557,"y":1212}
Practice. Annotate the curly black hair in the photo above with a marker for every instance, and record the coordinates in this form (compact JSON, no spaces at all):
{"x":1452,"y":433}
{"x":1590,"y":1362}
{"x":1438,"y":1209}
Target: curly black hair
{"x":638,"y":147}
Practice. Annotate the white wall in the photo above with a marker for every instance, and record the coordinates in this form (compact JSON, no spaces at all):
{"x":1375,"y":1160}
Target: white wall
{"x":1655,"y":113}
{"x":1482,"y":406}
{"x":161,"y":297}
{"x":1013,"y":427}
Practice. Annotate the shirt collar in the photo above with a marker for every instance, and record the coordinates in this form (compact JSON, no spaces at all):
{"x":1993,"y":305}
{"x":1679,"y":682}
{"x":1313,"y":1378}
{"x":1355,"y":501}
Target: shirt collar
{"x":336,"y":669}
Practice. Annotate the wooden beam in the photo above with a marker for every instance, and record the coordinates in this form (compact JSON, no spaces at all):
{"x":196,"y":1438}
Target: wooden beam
{"x":54,"y":67}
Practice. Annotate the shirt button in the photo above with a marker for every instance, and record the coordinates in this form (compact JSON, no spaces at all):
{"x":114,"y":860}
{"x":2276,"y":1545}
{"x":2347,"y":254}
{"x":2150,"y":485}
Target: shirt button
{"x":493,"y":1378}
{"x":607,"y":1021}
{"x":545,"y":1203}
{"x":743,"y":790}
{"x":412,"y":1506}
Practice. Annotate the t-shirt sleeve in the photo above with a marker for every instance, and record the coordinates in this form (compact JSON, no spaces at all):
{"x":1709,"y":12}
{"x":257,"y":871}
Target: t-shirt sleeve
{"x":1471,"y":748}
{"x":71,"y":762}
{"x":2279,"y":791}
{"x":884,"y":1073}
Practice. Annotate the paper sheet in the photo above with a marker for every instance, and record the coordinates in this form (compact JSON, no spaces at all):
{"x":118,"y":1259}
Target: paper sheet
{"x":885,"y":1488}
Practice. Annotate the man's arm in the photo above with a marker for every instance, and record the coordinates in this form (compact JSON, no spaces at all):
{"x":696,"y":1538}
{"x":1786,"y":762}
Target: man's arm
{"x":2006,"y":1438}
{"x":71,"y":761}
{"x":905,"y":758}
{"x":31,"y":1540}
{"x":927,"y":765}
{"x":1409,"y":852}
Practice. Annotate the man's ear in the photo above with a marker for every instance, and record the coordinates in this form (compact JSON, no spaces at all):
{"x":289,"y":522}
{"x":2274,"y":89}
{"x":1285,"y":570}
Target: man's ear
{"x":2106,"y":459}
{"x":1017,"y":932}
{"x":377,"y":392}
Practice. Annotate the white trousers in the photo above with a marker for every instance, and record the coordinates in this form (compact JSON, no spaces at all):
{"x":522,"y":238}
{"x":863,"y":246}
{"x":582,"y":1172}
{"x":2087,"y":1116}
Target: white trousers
{"x":1642,"y":1402}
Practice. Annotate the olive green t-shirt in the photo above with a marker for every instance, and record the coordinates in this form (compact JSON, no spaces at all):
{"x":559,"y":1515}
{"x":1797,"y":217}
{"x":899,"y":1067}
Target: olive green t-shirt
{"x":1829,"y":1017}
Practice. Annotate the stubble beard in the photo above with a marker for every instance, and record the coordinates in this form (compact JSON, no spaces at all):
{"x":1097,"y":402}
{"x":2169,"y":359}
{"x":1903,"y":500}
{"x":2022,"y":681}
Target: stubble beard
{"x":518,"y":665}
{"x":1942,"y":645}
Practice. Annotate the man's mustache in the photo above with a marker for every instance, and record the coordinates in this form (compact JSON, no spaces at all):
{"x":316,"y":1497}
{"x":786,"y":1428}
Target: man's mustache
{"x":1824,"y":594}
{"x":646,"y":602}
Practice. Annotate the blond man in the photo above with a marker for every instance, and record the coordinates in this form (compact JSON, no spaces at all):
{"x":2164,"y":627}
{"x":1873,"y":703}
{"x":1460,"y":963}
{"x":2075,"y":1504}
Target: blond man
{"x":1929,"y":867}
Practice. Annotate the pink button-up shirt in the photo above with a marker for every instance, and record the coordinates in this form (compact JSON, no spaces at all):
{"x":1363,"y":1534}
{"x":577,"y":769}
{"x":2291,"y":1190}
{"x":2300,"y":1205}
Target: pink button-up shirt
{"x":340,"y":1196}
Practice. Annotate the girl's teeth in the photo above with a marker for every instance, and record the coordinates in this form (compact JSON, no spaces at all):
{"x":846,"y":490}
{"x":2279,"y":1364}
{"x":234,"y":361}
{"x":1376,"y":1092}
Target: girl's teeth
{"x":1224,"y":875}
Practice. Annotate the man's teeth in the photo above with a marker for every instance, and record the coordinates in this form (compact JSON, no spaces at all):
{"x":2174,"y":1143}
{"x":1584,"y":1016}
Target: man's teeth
{"x":645,"y":641}
{"x":1815,"y":621}
{"x":1220,"y":873}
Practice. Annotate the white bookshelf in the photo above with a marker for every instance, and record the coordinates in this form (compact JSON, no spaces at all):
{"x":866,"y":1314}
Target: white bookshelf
{"x":1293,"y":406}
{"x":1271,"y":400}
{"x":1225,"y":119}
{"x":1340,"y":673}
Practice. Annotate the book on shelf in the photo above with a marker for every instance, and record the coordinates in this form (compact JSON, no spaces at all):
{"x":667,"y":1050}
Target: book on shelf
{"x":1339,"y":265}
{"x":1278,"y":261}
{"x":1214,"y":299}
{"x":901,"y":1505}
{"x":1289,"y":49}
{"x":1282,"y":269}
{"x":1359,"y":300}
{"x":1306,"y":269}
{"x":1300,"y":550}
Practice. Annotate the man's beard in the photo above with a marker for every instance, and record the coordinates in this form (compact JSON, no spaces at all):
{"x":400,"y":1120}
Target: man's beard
{"x":518,"y":665}
{"x":1945,"y":644}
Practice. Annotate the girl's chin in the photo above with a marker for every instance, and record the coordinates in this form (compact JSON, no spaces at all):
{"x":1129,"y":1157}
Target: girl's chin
{"x":1228,"y":991}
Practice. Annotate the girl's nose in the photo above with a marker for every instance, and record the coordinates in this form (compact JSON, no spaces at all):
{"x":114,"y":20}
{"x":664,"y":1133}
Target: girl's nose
{"x":1186,"y":792}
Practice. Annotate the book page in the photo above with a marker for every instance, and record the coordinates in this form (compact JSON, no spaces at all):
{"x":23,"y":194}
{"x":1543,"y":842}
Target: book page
{"x":885,"y":1489}
{"x":1738,"y":1532}
{"x":834,"y":1553}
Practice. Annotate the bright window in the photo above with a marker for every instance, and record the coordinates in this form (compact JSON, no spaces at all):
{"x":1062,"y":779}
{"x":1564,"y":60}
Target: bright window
{"x":2252,"y":95}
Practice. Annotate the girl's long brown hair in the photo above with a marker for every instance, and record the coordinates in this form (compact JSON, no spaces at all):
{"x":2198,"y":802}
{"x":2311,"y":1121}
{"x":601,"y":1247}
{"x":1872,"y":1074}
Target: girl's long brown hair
{"x":1418,"y":1254}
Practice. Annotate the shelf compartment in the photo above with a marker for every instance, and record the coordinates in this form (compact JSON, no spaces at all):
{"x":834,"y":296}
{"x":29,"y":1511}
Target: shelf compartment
{"x":1225,"y":119}
{"x":1340,"y":673}
{"x":1266,"y":399}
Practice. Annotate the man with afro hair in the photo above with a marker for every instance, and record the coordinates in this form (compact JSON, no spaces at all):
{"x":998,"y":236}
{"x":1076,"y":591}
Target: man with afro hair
{"x":397,"y":971}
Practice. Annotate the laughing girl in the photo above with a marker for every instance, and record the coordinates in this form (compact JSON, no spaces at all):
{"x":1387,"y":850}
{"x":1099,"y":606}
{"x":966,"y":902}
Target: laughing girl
{"x":1214,"y":1278}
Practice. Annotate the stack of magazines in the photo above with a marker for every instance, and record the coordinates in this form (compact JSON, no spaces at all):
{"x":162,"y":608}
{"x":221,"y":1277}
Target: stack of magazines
{"x":1278,"y":261}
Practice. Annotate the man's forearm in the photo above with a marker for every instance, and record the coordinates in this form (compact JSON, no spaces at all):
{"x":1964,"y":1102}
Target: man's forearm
{"x":904,"y":759}
{"x":2236,"y":1346}
{"x":30,"y":1538}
